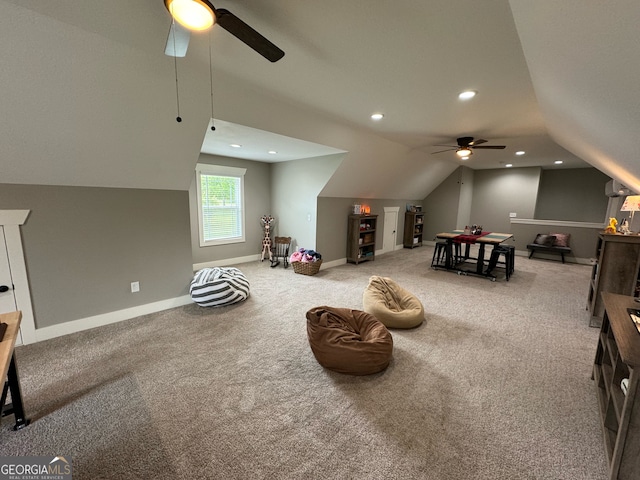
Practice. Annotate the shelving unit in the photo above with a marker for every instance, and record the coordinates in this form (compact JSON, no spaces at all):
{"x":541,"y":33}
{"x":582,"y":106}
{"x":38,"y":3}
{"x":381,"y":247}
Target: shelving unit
{"x":617,"y":270}
{"x":361,"y":238}
{"x":413,"y":229}
{"x":618,"y":358}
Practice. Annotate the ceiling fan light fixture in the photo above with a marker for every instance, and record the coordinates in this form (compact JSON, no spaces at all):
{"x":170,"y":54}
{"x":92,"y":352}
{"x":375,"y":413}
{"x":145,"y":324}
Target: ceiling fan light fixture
{"x":192,"y":14}
{"x":464,"y":152}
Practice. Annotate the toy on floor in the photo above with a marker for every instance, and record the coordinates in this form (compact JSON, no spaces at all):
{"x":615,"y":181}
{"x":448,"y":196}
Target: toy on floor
{"x":266,"y":221}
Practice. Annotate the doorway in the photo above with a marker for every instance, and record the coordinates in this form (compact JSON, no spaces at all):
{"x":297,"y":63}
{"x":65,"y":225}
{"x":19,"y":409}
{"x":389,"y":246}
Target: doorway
{"x":13,"y":273}
{"x":390,"y":229}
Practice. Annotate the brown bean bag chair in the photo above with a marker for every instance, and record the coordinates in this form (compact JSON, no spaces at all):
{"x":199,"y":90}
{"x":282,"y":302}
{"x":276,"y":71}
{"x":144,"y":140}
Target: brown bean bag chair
{"x":348,"y":341}
{"x":394,"y":306}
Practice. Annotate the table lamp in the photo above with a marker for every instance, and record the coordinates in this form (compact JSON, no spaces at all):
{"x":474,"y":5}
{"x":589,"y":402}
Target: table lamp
{"x":631,"y":204}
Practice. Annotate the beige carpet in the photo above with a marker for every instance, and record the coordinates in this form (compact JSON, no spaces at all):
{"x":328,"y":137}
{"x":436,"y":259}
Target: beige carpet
{"x":494,"y":385}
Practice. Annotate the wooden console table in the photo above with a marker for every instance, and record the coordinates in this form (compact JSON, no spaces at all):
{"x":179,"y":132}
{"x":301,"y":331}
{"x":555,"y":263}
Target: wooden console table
{"x":618,"y":359}
{"x":9,"y":371}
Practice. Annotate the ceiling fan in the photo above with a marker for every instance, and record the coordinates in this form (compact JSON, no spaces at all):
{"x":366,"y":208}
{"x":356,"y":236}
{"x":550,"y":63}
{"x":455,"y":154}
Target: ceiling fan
{"x":466,"y":145}
{"x":198,"y":15}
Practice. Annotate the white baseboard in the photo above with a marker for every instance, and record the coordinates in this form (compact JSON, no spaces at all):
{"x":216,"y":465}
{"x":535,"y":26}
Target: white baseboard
{"x":226,"y":262}
{"x":333,"y":263}
{"x":108,"y":318}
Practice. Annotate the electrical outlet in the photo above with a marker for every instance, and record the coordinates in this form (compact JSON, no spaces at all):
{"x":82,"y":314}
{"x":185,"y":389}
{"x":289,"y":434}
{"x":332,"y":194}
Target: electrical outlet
{"x":135,"y":287}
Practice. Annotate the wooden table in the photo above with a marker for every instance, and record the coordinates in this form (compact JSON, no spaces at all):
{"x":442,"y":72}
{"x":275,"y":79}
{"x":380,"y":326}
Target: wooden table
{"x":9,"y":370}
{"x":491,"y":238}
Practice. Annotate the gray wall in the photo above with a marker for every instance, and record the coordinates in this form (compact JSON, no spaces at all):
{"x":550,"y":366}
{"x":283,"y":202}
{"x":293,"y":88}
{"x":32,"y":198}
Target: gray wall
{"x":295,"y":186}
{"x":84,"y":246}
{"x":332,"y":223}
{"x":582,"y":242}
{"x":487,"y":197}
{"x":466,"y":181}
{"x":498,"y":192}
{"x":257,"y":187}
{"x":561,"y":191}
{"x":442,"y":205}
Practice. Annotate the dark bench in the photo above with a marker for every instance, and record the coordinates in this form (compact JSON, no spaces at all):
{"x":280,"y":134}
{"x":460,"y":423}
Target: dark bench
{"x":534,"y":247}
{"x":548,"y":244}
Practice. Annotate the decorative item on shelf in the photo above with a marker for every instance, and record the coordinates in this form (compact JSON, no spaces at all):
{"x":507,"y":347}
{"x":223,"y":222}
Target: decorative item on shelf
{"x":305,"y":262}
{"x":365,"y":210}
{"x":624,"y":227}
{"x":611,"y":228}
{"x":631,"y":204}
{"x":356,"y":209}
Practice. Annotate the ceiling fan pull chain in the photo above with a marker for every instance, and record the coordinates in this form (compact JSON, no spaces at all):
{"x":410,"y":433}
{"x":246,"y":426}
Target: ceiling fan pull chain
{"x":175,"y":68}
{"x":213,"y":128}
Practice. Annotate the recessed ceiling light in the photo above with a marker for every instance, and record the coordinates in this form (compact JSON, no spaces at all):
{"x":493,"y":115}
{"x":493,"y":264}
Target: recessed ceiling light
{"x":509,"y":165}
{"x":467,"y":94}
{"x":558,"y":162}
{"x":377,"y":116}
{"x":272,"y":152}
{"x":235,"y":145}
{"x":520,"y":152}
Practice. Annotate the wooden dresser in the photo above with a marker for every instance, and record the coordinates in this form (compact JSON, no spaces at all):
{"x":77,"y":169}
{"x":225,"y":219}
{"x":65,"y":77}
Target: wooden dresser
{"x":618,"y":359}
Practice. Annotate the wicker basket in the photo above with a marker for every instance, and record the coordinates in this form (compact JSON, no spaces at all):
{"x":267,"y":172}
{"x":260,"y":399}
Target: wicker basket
{"x":306,"y":268}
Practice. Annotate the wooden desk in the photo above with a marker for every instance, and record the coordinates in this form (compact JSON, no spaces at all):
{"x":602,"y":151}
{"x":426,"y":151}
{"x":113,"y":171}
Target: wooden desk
{"x":9,"y":370}
{"x":492,"y":238}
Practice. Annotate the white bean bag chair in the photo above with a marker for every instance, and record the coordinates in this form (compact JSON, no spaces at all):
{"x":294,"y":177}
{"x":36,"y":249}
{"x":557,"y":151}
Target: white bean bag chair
{"x":394,"y":306}
{"x":219,"y":286}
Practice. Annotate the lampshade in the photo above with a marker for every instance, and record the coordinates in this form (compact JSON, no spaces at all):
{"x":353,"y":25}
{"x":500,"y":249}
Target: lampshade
{"x":464,"y":152}
{"x":191,"y":14}
{"x":631,"y":204}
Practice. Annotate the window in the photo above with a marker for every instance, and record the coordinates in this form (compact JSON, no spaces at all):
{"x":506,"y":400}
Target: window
{"x":220,"y":192}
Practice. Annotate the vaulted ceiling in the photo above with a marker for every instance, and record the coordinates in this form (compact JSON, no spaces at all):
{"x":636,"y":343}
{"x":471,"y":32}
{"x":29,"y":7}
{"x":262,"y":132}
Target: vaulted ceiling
{"x":89,"y":98}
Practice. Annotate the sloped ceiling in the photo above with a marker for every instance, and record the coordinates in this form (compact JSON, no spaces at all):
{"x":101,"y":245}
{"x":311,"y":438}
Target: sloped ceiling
{"x":584,"y":59}
{"x":89,"y":98}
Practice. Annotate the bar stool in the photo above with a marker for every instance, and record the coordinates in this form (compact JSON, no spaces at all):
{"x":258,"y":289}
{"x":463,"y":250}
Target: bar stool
{"x":439,"y":251}
{"x":509,"y":259}
{"x":457,"y":253}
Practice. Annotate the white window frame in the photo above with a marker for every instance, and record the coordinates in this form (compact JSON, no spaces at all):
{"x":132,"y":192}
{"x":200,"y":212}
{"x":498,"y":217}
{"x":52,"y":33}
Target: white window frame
{"x":223,"y":171}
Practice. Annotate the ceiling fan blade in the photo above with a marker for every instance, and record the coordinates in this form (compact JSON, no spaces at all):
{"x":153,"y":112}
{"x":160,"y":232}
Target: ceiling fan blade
{"x":494,"y":147}
{"x":177,"y":41}
{"x":447,"y":150}
{"x":248,"y":35}
{"x":477,"y":142}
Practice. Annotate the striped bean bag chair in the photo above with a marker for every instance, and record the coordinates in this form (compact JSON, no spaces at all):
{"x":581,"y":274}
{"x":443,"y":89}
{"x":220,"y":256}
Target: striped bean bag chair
{"x":219,"y":286}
